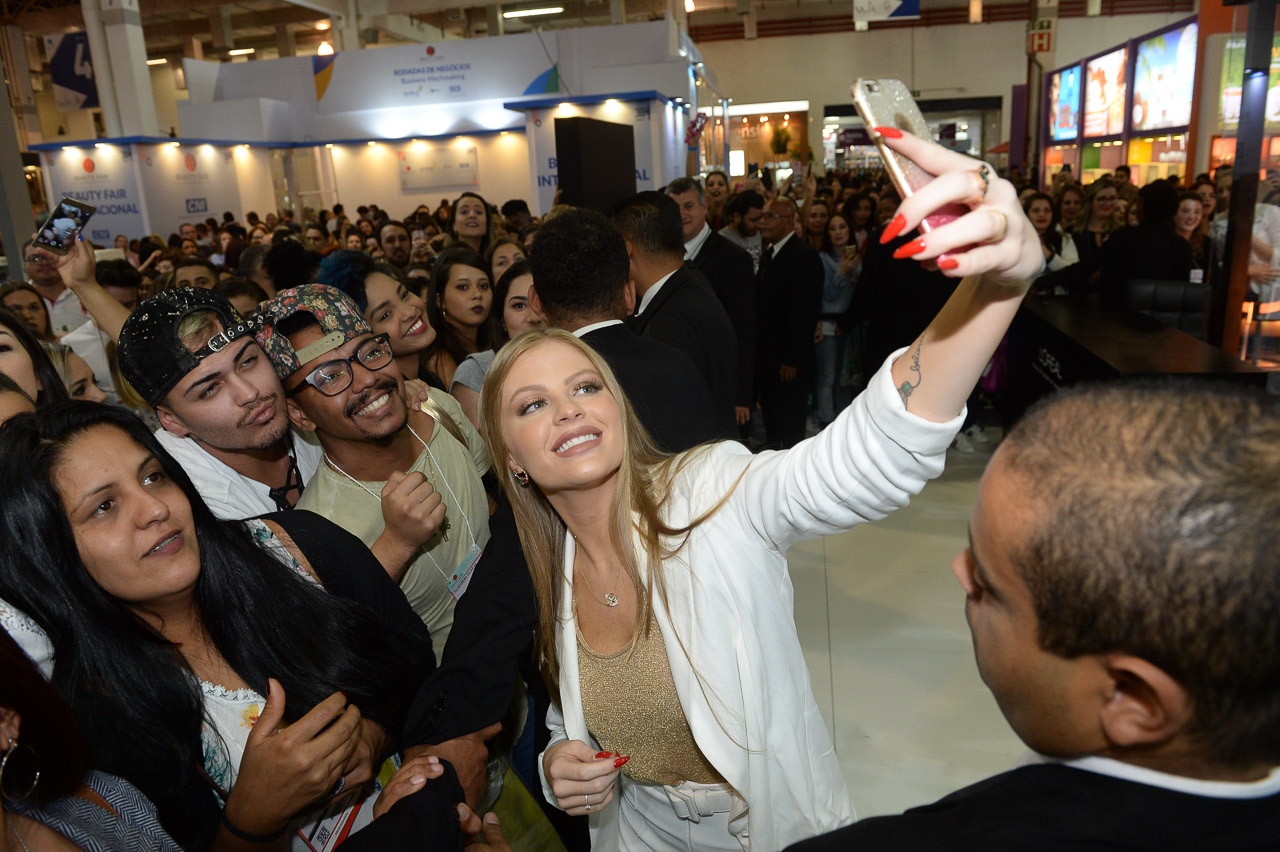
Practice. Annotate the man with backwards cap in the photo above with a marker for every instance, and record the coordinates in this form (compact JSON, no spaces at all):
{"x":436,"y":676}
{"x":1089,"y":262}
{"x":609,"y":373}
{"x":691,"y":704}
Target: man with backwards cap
{"x":193,"y":358}
{"x":380,"y":454}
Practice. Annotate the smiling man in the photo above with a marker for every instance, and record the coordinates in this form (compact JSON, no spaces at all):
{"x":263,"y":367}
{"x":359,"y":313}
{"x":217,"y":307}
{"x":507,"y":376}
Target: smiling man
{"x":407,"y":483}
{"x":1123,"y":596}
{"x":195,"y":360}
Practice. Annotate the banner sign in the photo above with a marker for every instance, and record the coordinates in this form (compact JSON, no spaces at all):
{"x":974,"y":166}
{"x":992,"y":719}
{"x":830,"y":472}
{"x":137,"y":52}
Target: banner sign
{"x":1164,"y":80}
{"x":71,"y":67}
{"x":425,"y":167}
{"x":103,"y":177}
{"x":187,"y":184}
{"x":1104,"y":94}
{"x":1232,"y":82}
{"x":441,"y":72}
{"x":882,"y":10}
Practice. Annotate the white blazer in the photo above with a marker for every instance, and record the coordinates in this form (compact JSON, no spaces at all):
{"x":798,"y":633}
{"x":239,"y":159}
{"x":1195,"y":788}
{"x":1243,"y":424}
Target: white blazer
{"x":747,"y":693}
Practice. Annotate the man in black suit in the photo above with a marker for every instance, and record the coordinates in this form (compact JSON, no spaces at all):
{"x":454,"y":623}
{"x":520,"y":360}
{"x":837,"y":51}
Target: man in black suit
{"x":580,"y":284}
{"x":1124,"y":601}
{"x":790,"y":298}
{"x":677,"y":305}
{"x":732,"y":275}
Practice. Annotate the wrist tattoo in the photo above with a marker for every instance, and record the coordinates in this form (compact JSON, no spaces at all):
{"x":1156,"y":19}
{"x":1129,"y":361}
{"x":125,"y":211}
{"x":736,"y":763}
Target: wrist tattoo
{"x":907,"y":388}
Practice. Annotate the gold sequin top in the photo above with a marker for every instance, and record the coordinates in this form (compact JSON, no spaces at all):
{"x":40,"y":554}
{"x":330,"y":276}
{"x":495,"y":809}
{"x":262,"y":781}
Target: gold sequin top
{"x":630,"y":703}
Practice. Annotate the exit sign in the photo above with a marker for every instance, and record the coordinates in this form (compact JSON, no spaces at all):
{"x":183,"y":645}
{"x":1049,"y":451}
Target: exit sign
{"x":1040,"y":35}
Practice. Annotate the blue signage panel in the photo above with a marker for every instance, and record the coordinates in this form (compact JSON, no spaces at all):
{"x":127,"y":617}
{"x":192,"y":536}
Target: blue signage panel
{"x":71,"y":67}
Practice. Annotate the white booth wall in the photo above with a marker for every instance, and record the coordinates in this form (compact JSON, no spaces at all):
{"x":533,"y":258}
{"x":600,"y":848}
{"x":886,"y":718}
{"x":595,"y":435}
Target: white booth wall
{"x":366,"y":174}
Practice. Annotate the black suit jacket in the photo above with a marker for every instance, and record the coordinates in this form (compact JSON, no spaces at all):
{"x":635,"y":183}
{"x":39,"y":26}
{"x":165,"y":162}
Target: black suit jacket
{"x":732,"y":274}
{"x":687,"y":315}
{"x":668,"y":393}
{"x":790,"y":299}
{"x":1055,"y":808}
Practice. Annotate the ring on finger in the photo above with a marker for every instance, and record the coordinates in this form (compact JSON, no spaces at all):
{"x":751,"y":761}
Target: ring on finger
{"x":1004,"y":227}
{"x":983,"y":174}
{"x":587,"y":800}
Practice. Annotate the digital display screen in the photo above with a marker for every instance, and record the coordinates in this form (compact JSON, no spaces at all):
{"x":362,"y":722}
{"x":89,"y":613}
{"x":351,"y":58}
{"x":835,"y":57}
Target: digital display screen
{"x":1064,"y":101}
{"x":1104,"y":93}
{"x":1164,"y":80}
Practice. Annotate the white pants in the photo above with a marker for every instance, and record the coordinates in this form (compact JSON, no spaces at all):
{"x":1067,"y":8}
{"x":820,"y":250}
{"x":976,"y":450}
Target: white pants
{"x":647,"y":820}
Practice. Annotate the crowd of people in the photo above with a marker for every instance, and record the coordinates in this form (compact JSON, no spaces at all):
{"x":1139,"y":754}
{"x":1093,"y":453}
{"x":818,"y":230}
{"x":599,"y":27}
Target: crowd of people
{"x":470,"y":530}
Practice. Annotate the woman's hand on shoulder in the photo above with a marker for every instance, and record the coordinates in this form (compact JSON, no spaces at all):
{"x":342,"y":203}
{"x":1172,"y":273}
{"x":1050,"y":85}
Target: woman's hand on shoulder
{"x":994,"y":239}
{"x":363,"y":764}
{"x":286,"y":769}
{"x":581,"y":778}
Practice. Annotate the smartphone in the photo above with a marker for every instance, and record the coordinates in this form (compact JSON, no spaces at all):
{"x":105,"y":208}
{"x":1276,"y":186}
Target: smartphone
{"x":753,"y":170}
{"x":766,"y":178}
{"x":888,"y":103}
{"x":63,"y":225}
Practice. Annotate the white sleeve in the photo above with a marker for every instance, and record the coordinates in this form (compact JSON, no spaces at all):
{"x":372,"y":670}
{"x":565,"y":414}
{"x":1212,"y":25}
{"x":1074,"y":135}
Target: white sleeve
{"x":555,"y":724}
{"x":871,"y":460}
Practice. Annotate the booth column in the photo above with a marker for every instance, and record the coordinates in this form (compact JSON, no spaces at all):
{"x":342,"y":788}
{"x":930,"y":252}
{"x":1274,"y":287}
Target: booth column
{"x":122,"y":28}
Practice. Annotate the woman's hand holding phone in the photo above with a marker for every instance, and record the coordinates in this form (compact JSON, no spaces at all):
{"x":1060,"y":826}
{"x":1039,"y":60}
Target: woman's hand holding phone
{"x":994,"y":239}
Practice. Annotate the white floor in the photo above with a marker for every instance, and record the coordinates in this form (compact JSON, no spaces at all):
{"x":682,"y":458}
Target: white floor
{"x":881,"y":620}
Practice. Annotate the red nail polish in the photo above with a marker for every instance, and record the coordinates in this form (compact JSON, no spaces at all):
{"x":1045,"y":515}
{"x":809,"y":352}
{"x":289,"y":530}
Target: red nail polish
{"x":894,"y":228}
{"x":948,"y":263}
{"x":621,"y":762}
{"x":913,"y":247}
{"x":602,"y":755}
{"x":891,"y":132}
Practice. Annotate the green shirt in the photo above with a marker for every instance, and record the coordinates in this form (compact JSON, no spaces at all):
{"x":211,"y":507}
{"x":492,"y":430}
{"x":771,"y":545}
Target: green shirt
{"x":450,"y":466}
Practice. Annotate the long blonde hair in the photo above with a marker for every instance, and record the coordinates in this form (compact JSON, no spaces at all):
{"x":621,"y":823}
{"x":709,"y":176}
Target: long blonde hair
{"x":642,"y":486}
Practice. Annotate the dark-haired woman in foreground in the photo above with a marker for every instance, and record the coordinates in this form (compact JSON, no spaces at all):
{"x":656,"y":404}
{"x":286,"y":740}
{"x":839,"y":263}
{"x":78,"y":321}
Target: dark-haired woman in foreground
{"x":203,"y":660}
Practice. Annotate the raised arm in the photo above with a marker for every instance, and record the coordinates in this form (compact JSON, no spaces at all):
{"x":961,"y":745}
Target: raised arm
{"x":993,"y":249}
{"x":76,"y":268}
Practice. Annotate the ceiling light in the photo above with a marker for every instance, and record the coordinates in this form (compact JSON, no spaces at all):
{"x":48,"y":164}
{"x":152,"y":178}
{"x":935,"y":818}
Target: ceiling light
{"x":156,"y":61}
{"x":241,"y":51}
{"x":688,"y":5}
{"x":529,"y":13}
{"x":323,"y":24}
{"x":325,"y":49}
{"x":175,"y":144}
{"x":329,"y":145}
{"x":371,"y":143}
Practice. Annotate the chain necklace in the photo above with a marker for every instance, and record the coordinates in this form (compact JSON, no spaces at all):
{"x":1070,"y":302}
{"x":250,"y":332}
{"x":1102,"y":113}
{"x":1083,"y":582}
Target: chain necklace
{"x":444,"y":525}
{"x":610,"y":599}
{"x":18,"y":836}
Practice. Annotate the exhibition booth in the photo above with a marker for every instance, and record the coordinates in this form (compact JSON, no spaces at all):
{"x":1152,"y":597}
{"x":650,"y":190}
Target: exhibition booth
{"x":397,"y":127}
{"x":1130,"y":103}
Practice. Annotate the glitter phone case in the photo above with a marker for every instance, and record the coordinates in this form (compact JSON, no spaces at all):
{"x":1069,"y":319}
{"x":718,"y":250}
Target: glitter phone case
{"x":887,"y":102}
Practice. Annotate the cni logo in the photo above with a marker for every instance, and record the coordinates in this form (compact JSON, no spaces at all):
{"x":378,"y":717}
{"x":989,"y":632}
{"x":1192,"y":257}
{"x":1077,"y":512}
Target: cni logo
{"x":88,"y":165}
{"x":190,"y":162}
{"x":431,"y":51}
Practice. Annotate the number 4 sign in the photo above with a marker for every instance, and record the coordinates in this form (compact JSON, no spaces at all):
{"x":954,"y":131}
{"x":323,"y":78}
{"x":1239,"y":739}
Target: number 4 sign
{"x":71,"y":68}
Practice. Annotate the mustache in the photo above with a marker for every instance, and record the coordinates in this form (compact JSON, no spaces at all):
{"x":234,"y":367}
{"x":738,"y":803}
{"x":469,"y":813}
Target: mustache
{"x":359,"y":402}
{"x":257,"y":409}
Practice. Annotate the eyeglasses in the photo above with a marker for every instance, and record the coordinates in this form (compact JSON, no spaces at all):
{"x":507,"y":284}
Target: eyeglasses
{"x":37,"y":258}
{"x":333,"y":377}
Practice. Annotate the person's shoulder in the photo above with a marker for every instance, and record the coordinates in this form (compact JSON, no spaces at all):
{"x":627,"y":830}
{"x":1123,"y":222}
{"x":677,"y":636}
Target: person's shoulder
{"x":446,"y":402}
{"x":188,"y":452}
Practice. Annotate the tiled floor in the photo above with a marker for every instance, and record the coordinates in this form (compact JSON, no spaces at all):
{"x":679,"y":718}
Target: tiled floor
{"x":885,"y":637}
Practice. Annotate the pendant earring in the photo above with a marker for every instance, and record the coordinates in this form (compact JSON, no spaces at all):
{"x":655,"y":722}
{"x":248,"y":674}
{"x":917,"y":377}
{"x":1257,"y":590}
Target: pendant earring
{"x":521,"y":477}
{"x":19,"y":771}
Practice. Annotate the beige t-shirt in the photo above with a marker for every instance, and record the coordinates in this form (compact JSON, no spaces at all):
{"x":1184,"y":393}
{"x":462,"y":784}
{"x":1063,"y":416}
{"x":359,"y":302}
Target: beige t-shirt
{"x":454,"y":470}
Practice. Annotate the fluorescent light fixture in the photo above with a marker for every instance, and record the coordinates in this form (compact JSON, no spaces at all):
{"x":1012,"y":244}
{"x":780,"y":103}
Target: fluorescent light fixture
{"x":160,"y":61}
{"x":241,"y":51}
{"x":529,"y":13}
{"x":325,"y":49}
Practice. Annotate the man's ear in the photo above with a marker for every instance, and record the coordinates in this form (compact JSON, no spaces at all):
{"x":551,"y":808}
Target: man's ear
{"x":535,"y":303}
{"x":631,"y":254}
{"x":1146,"y":707}
{"x":299,"y":418}
{"x":171,"y":422}
{"x":629,"y":297}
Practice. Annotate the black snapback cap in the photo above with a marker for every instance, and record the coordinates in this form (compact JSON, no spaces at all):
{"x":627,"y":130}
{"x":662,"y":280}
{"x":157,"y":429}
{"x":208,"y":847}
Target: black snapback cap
{"x":153,"y":359}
